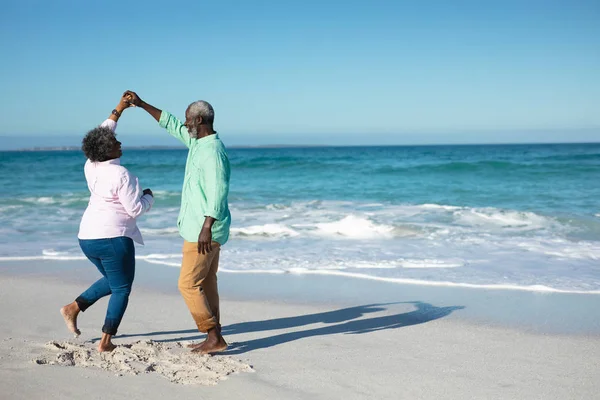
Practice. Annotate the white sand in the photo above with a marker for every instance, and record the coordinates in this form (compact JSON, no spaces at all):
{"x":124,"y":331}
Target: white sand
{"x":168,"y":360}
{"x":390,"y":351}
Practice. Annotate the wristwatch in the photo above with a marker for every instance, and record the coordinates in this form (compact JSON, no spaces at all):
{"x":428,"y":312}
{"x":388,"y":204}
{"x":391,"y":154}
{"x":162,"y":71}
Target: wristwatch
{"x":115,"y":112}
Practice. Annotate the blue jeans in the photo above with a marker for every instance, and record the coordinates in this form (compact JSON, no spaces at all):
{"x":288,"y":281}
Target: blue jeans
{"x":115,"y":259}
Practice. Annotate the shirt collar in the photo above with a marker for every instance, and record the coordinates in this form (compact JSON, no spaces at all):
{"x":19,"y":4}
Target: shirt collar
{"x":208,"y":139}
{"x":114,"y":161}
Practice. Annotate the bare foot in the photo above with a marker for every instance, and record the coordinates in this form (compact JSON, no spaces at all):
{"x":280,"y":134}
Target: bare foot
{"x":210,"y":348}
{"x":70,"y":313}
{"x":214,"y":343}
{"x":107,"y":347}
{"x":195,"y":345}
{"x":105,"y":344}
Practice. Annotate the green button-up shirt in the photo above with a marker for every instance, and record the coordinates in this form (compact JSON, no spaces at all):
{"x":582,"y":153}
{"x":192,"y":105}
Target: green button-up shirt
{"x":205,"y":185}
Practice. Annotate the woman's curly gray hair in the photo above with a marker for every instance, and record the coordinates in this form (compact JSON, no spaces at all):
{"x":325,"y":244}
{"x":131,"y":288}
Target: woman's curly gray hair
{"x":98,"y":144}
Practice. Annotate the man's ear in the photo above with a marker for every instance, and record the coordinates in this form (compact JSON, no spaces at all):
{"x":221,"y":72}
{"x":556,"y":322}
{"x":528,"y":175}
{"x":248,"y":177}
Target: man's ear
{"x":199,"y":120}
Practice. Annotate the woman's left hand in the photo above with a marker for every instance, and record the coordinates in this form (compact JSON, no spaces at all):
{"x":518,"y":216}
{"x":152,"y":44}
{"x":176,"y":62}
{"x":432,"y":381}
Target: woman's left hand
{"x":123,"y":104}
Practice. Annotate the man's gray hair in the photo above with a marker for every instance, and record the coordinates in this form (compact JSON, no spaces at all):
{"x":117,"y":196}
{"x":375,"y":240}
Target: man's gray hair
{"x":202,"y":109}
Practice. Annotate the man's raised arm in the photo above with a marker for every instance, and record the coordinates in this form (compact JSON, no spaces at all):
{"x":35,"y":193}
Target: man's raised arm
{"x":133,"y":98}
{"x":165,"y":119}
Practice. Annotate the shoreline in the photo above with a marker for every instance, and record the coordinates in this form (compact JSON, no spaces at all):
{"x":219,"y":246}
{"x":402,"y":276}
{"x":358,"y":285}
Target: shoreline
{"x":159,"y":261}
{"x":536,"y":312}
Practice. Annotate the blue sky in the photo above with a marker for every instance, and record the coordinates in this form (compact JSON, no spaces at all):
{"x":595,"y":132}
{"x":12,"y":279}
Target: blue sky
{"x":336,"y":72}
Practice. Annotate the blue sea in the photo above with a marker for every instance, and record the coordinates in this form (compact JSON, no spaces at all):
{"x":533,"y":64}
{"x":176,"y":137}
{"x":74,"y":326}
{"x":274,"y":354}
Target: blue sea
{"x":506,"y":217}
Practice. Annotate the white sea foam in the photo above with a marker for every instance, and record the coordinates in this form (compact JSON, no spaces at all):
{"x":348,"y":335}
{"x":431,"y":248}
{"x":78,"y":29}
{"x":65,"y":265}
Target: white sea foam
{"x":496,"y":218}
{"x":160,"y":231}
{"x":62,"y":200}
{"x":563,"y":249}
{"x":351,"y":227}
{"x":166,"y":193}
{"x":10,"y":208}
{"x":54,"y":253}
{"x":67,"y":256}
{"x":369,"y":205}
{"x":276,"y":230}
{"x":356,"y":228}
{"x":277,"y":207}
{"x":253,"y":271}
{"x":159,"y":256}
{"x":40,"y":200}
{"x":376,"y":221}
{"x":461,"y":246}
{"x":166,"y":263}
{"x":431,"y":263}
{"x":437,"y":207}
{"x":368,"y":265}
{"x":396,"y":264}
{"x":36,"y":258}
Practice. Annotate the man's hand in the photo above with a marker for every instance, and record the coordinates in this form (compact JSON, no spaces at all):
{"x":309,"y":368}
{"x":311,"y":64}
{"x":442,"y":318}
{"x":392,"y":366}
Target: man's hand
{"x":148,"y":191}
{"x":205,"y":241}
{"x":132,"y":98}
{"x":205,"y":237}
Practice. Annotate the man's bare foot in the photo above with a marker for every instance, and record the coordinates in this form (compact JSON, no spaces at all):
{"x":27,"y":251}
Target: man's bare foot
{"x":195,"y":345}
{"x":70,"y":313}
{"x":105,"y":344}
{"x":214,"y":343}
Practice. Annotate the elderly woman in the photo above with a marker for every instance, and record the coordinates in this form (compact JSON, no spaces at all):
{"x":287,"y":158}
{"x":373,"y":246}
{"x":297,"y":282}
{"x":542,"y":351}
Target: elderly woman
{"x":108,"y":227}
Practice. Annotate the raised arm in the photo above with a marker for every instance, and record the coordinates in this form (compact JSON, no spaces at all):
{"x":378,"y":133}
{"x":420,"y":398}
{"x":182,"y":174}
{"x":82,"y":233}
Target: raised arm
{"x":111,"y":121}
{"x":165,"y":119}
{"x":133,"y":99}
{"x":118,"y":110}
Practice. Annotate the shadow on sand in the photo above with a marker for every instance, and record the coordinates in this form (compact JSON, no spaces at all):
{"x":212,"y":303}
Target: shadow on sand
{"x":343,"y":321}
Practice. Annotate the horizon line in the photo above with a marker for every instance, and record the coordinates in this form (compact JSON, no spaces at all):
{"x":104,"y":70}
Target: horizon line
{"x":300,"y":146}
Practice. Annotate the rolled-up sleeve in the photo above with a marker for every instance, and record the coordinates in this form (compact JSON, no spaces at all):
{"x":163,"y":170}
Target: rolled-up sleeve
{"x":216,"y":186}
{"x":175,"y":127}
{"x":130,"y":196}
{"x":109,"y":123}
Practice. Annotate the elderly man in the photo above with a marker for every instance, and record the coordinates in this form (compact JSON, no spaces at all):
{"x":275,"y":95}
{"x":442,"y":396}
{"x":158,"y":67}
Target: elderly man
{"x":204,"y":218}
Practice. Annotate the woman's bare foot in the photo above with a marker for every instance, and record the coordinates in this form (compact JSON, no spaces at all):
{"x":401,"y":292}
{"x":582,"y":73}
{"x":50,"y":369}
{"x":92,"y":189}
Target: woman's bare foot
{"x":106,"y":348}
{"x":105,"y":344}
{"x":214,"y":343}
{"x":70,"y":313}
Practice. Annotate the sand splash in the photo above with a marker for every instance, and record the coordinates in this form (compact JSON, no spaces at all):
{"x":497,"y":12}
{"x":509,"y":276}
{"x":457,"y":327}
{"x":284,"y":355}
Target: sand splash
{"x":170,"y":360}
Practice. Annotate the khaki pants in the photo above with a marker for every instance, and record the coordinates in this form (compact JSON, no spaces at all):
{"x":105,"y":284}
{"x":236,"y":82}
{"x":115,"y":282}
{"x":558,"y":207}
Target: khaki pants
{"x":198,"y":284}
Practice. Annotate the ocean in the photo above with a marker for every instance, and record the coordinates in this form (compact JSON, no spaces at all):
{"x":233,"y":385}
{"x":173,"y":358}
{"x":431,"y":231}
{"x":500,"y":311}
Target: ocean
{"x":506,"y":217}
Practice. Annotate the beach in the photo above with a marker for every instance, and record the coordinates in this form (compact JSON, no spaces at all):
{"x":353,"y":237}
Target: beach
{"x":400,"y":199}
{"x":297,"y":337}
